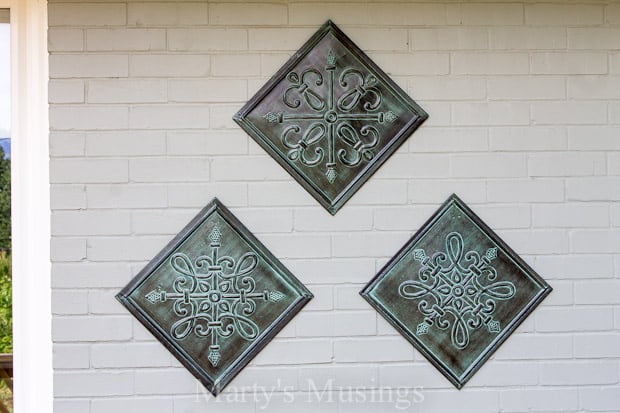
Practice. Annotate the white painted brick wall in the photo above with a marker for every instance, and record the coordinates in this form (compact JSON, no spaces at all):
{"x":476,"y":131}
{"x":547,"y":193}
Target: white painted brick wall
{"x":524,"y":103}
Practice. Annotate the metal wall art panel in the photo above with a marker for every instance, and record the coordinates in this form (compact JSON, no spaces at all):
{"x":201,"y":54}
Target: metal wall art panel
{"x":456,"y":291}
{"x":214,"y":296}
{"x":331,"y":117}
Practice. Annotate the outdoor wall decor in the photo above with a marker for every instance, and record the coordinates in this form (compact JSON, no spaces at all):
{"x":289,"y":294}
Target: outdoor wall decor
{"x":331,"y":117}
{"x":456,"y":291}
{"x":214,"y":296}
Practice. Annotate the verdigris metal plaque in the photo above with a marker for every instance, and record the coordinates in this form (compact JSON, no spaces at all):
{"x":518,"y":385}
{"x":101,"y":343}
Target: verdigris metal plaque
{"x":456,"y":291}
{"x":214,"y":296}
{"x":331,"y":117}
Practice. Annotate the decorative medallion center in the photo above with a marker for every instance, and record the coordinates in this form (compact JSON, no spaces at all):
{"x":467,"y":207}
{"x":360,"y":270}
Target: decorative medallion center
{"x":214,"y":296}
{"x":332,"y":117}
{"x":457,"y":290}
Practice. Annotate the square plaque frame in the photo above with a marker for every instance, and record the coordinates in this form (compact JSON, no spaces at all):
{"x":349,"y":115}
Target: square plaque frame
{"x":330,"y":117}
{"x":215,"y":296}
{"x":473,"y":277}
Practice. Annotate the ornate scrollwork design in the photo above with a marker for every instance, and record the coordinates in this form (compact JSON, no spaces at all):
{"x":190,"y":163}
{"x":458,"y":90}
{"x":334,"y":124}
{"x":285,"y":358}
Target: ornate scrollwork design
{"x":215,"y":296}
{"x":363,"y":87}
{"x":299,"y":145}
{"x":361,"y":144}
{"x":457,"y":290}
{"x":299,"y":85}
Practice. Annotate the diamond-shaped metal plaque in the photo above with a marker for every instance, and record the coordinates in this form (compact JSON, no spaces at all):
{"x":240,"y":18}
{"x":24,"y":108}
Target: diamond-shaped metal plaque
{"x":331,"y":117}
{"x":214,"y":296}
{"x":456,"y":291}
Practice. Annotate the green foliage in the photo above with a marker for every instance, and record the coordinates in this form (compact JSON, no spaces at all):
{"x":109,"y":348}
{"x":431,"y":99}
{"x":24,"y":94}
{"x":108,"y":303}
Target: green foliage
{"x":5,"y":202}
{"x":6,"y":311}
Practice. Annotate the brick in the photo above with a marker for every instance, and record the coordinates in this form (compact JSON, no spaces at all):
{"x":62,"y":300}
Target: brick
{"x":247,"y":169}
{"x":597,"y":292}
{"x":67,"y":196}
{"x":490,"y":114}
{"x":351,"y":219}
{"x":562,"y":295}
{"x":497,"y":15}
{"x":373,"y":244}
{"x":278,"y":39}
{"x":129,"y":405}
{"x":571,"y":113}
{"x":537,"y":241}
{"x":90,"y":223}
{"x":527,"y":38}
{"x":268,"y":377}
{"x":125,"y":39}
{"x":505,"y":216}
{"x":196,"y":40}
{"x":169,"y":169}
{"x":318,"y":377}
{"x":594,"y":87}
{"x":125,"y":248}
{"x":321,"y":324}
{"x":527,"y":138}
{"x":323,"y":298}
{"x":596,"y":345}
{"x":415,"y":166}
{"x":71,"y":170}
{"x":614,"y":62}
{"x":88,"y":65}
{"x":590,"y":372}
{"x":398,"y":218}
{"x":563,"y":14}
{"x":300,"y":246}
{"x":488,"y":166}
{"x":170,"y":65}
{"x":419,"y":63}
{"x":68,"y":249}
{"x":449,"y":39}
{"x":230,"y":14}
{"x":65,"y":40}
{"x":489,"y":63}
{"x":437,"y":191}
{"x":500,"y":374}
{"x":613,"y":164}
{"x":299,"y":351}
{"x":595,"y":241}
{"x":568,"y":63}
{"x":381,"y":192}
{"x":68,"y":302}
{"x":88,"y":328}
{"x":87,"y":14}
{"x":166,"y":14}
{"x":539,"y":399}
{"x":536,"y":346}
{"x":593,"y":189}
{"x":447,"y":88}
{"x":614,"y":112}
{"x":123,"y":143}
{"x":576,"y":266}
{"x":71,"y":356}
{"x":395,"y":375}
{"x":419,"y":14}
{"x":570,"y":215}
{"x":599,"y":399}
{"x":222,"y":116}
{"x":65,"y":144}
{"x":198,"y":195}
{"x":241,"y":65}
{"x":88,"y":117}
{"x":344,"y":14}
{"x":580,"y":319}
{"x":347,"y":298}
{"x":93,"y":383}
{"x":372,"y":349}
{"x":71,"y":405}
{"x":66,"y":91}
{"x":129,"y":355}
{"x":615,"y":215}
{"x":104,"y":302}
{"x":593,"y":38}
{"x":90,"y":275}
{"x":207,"y":90}
{"x":526,"y":88}
{"x":612,"y":13}
{"x":567,"y":164}
{"x":126,"y":91}
{"x":126,"y":196}
{"x":333,"y":271}
{"x":441,"y":113}
{"x":207,"y":143}
{"x":380,"y":39}
{"x":168,"y":117}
